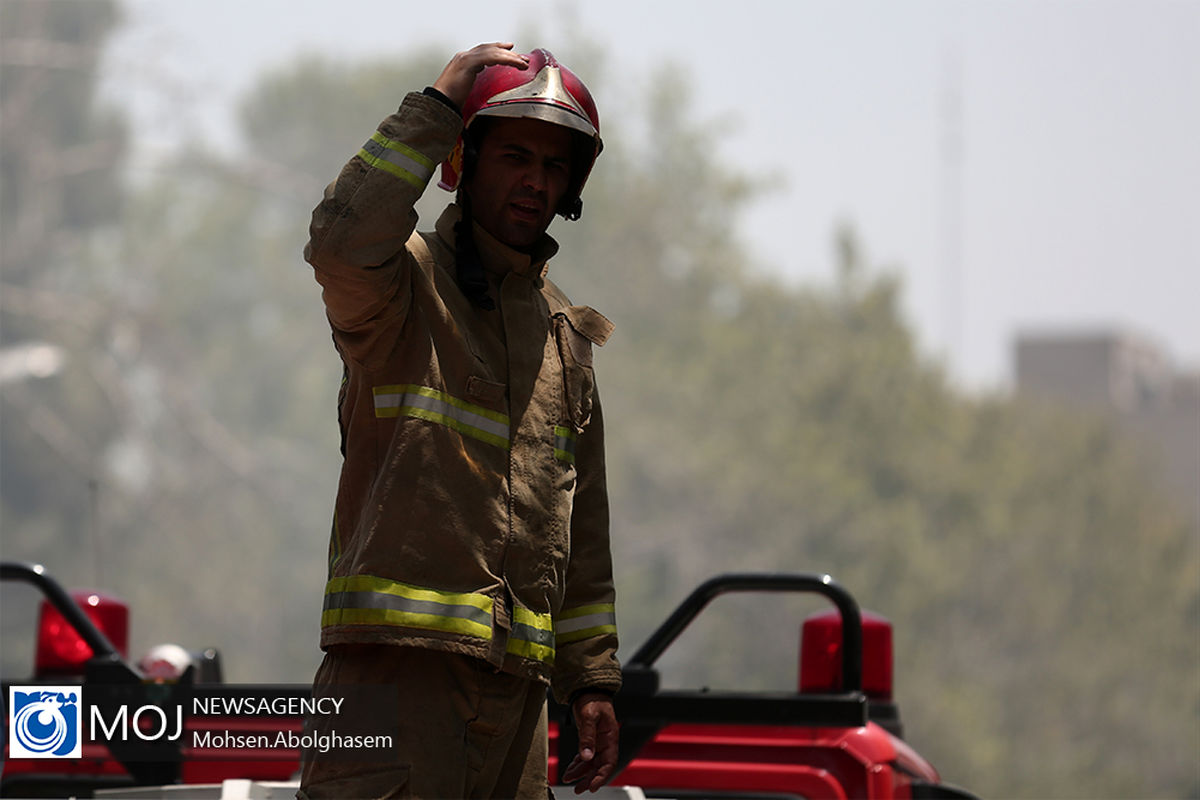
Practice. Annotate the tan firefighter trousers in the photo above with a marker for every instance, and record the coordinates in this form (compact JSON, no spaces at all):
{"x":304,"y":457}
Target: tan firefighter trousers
{"x":465,"y":730}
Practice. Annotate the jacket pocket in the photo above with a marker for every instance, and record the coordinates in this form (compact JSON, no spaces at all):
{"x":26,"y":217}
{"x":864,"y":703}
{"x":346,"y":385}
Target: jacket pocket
{"x":485,"y":392}
{"x":576,"y":329}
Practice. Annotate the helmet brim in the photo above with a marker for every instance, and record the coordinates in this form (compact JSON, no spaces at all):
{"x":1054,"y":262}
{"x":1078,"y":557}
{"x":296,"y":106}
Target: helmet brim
{"x":546,"y":112}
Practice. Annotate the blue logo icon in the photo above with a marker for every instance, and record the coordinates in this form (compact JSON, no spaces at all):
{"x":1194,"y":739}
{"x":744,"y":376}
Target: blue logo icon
{"x":44,"y":722}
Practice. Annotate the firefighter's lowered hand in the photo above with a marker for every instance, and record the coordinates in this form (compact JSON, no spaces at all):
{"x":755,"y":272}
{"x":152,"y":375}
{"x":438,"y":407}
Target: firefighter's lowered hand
{"x":598,"y":742}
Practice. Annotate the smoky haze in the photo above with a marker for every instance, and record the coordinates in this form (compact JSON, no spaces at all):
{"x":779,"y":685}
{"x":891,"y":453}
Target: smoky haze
{"x":816,"y":233}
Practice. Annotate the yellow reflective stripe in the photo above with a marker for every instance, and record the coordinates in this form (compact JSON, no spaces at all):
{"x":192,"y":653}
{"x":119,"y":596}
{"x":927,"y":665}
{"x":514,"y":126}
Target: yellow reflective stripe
{"x":370,"y":583}
{"x":532,"y":635}
{"x":585,"y":622}
{"x":421,"y":402}
{"x":403,"y":619}
{"x":531,"y":650}
{"x":367,"y":600}
{"x":398,"y":159}
{"x":532,"y":619}
{"x":564,"y":444}
{"x":585,"y":611}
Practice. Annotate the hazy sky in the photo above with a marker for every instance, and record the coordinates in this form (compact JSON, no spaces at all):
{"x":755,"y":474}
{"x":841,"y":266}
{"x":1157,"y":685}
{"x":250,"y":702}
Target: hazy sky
{"x":1023,"y":165}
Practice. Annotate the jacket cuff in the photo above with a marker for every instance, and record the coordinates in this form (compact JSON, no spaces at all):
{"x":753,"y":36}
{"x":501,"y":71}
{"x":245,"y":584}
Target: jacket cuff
{"x":606,"y":680}
{"x":437,"y":95}
{"x":575,"y":695}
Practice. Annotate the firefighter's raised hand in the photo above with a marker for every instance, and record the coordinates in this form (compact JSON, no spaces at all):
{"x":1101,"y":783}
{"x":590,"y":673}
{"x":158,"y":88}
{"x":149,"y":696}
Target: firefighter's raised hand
{"x":458,"y":77}
{"x":598,"y":742}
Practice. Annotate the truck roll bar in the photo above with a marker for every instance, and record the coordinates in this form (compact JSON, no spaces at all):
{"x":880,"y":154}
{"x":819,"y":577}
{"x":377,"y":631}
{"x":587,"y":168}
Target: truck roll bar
{"x":809,"y":583}
{"x":53,"y":591}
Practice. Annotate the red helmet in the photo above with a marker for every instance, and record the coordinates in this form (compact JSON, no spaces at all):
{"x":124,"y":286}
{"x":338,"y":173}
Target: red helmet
{"x":547,"y":91}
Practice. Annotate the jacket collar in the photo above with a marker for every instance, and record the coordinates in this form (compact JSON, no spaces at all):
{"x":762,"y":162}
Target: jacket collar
{"x":498,"y":258}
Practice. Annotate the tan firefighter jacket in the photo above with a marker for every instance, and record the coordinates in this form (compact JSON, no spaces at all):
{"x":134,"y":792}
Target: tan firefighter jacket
{"x":472,"y":511}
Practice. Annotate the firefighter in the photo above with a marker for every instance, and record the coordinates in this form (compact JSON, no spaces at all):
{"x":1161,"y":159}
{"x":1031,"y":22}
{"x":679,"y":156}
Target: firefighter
{"x":469,"y":562}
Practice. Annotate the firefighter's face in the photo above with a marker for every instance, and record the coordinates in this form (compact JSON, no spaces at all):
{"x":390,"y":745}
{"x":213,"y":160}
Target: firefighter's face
{"x":523,"y":171}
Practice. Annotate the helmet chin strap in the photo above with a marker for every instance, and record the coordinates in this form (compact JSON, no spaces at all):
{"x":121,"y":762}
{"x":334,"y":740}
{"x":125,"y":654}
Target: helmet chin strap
{"x":468,"y":265}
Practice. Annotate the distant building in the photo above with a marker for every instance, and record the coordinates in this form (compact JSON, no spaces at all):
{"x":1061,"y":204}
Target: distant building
{"x":1130,"y":377}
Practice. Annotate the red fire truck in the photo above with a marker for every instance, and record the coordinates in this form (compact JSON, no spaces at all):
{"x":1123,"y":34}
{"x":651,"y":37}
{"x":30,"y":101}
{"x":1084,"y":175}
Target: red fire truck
{"x":837,"y":736}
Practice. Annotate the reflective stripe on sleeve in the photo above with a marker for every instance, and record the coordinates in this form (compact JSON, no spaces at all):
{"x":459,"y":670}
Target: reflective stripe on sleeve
{"x":421,"y":402}
{"x":367,"y":600}
{"x":585,"y":622}
{"x":397,"y":158}
{"x":564,"y":444}
{"x":532,"y":635}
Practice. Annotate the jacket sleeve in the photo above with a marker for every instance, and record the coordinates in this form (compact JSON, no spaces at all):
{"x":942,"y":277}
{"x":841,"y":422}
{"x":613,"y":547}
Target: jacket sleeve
{"x":586,"y":636}
{"x":359,"y":230}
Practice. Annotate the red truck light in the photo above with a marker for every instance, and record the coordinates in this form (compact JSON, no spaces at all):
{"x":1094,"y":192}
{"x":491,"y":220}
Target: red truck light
{"x":60,"y":650}
{"x":821,"y":654}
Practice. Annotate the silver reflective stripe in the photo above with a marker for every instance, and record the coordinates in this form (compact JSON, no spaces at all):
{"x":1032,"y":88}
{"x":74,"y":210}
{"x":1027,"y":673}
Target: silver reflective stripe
{"x":528,"y":633}
{"x":399,"y":159}
{"x":602,"y":619}
{"x":370,"y":600}
{"x":584,"y":622}
{"x":532,"y":636}
{"x":382,"y":600}
{"x":434,"y":406}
